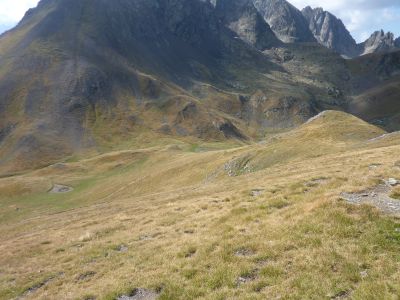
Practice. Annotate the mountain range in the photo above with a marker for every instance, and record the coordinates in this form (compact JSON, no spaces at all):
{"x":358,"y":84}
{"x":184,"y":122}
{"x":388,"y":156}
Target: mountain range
{"x":88,"y":75}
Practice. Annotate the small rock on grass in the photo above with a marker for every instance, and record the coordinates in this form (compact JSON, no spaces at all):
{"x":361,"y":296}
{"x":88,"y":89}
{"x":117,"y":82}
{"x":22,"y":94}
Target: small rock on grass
{"x":256,"y":192}
{"x":392,"y":181}
{"x":60,"y":189}
{"x":139,"y":294}
{"x":243,"y":252}
{"x":122,"y":248}
{"x":364,"y":274}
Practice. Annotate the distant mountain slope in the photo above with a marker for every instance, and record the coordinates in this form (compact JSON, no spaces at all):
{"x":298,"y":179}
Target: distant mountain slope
{"x":376,"y":80}
{"x":285,"y":20}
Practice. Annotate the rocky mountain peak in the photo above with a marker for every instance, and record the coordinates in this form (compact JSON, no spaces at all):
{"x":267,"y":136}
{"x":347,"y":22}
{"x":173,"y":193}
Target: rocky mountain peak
{"x":309,"y":11}
{"x":330,"y":31}
{"x":379,"y":41}
{"x":285,"y":20}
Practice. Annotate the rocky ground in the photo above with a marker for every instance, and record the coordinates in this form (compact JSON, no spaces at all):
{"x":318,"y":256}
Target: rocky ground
{"x":378,"y":196}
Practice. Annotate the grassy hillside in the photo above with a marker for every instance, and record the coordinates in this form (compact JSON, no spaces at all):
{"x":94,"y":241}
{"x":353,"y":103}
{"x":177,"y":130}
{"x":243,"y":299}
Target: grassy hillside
{"x":328,"y":132}
{"x":171,"y":219}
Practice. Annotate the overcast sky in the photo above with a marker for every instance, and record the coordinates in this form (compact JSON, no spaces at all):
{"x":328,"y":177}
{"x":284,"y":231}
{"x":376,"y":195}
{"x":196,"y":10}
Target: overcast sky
{"x":362,"y":17}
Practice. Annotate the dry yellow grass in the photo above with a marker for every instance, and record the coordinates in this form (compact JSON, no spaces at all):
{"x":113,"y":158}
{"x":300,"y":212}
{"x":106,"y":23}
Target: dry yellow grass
{"x":190,"y":231}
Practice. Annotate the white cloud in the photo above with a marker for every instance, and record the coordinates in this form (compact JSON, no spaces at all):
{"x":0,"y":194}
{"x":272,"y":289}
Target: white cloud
{"x":11,"y":11}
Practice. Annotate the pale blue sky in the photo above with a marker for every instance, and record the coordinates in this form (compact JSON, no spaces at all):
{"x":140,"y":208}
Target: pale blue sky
{"x":362,"y":17}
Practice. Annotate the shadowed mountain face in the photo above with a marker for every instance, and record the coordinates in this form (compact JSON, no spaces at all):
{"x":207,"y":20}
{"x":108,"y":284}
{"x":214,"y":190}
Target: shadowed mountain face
{"x":285,"y":20}
{"x":73,"y":68}
{"x":243,"y":18}
{"x":330,"y":31}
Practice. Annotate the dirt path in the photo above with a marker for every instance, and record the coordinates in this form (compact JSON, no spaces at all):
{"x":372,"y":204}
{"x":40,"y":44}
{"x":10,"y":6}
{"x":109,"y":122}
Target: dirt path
{"x":378,"y":196}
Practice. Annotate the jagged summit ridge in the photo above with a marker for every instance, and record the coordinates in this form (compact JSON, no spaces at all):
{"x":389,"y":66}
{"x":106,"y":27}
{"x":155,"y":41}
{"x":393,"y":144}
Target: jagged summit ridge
{"x":333,"y":34}
{"x":291,"y":25}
